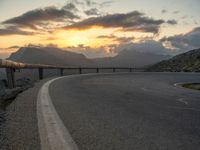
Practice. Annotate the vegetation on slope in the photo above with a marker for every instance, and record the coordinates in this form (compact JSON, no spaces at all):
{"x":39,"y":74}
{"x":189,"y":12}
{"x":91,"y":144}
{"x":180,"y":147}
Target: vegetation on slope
{"x":186,"y":62}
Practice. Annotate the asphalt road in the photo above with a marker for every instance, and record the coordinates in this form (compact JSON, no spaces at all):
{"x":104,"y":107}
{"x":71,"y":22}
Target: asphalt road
{"x":138,"y":111}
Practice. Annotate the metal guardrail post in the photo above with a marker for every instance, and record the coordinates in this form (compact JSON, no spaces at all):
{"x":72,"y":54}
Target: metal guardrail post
{"x":61,"y":72}
{"x":97,"y":70}
{"x":80,"y":70}
{"x":10,"y":73}
{"x":12,"y":65}
{"x":40,"y":71}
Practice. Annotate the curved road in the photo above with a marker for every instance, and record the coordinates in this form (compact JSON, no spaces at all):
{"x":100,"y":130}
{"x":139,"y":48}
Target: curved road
{"x":138,"y":111}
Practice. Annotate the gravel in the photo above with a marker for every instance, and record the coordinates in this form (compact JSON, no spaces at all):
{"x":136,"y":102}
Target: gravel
{"x":18,"y":121}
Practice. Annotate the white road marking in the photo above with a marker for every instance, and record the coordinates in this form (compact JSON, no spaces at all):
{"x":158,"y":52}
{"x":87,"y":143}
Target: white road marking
{"x":148,"y":90}
{"x":144,"y":89}
{"x":183,"y":108}
{"x":183,"y":101}
{"x":53,"y":134}
{"x":181,"y":83}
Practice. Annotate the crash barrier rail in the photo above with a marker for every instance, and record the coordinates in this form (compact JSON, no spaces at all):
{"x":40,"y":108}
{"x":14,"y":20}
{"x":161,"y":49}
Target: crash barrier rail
{"x":11,"y":67}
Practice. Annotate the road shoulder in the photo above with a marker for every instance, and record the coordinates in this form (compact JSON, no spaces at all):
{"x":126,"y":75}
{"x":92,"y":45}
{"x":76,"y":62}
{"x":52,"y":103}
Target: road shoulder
{"x":20,"y":127}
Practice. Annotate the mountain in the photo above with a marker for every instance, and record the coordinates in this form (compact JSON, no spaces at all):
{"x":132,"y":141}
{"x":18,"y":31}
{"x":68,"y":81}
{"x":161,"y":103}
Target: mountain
{"x":187,"y":62}
{"x":131,"y":58}
{"x":51,"y":56}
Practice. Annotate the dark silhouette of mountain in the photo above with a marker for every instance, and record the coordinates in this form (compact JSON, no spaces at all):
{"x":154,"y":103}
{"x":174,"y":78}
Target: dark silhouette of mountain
{"x":56,"y":56}
{"x":187,"y":62}
{"x":51,"y":56}
{"x":131,"y":58}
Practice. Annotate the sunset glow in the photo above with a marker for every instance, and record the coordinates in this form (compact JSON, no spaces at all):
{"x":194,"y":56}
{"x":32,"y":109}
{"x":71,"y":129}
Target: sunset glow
{"x":82,"y":37}
{"x":97,"y":25}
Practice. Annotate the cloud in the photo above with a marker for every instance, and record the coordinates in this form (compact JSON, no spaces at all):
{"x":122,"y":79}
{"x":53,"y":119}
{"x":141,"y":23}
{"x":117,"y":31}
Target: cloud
{"x":195,"y":22}
{"x":164,"y":11}
{"x":90,"y":3}
{"x":106,"y":37}
{"x":120,"y":40}
{"x":51,"y":38}
{"x":32,"y":18}
{"x":91,"y":12}
{"x":133,"y":21}
{"x":176,"y":12}
{"x":184,"y":17}
{"x":40,"y":20}
{"x":172,"y":22}
{"x":186,"y":41}
{"x":77,"y":2}
{"x":148,"y":46}
{"x":5,"y":52}
{"x":14,"y":46}
{"x":90,"y":52}
{"x":125,"y":39}
{"x":70,"y":7}
{"x":13,"y":30}
{"x":48,"y":19}
{"x":106,"y":3}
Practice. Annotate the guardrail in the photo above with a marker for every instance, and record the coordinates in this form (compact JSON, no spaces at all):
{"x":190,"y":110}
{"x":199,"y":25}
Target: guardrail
{"x":11,"y":66}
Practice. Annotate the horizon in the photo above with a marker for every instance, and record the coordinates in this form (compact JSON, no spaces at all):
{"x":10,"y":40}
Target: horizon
{"x":101,"y":28}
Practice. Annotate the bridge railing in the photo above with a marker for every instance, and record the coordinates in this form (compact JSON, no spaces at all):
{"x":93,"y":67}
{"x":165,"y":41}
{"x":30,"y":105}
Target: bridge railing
{"x":11,"y":66}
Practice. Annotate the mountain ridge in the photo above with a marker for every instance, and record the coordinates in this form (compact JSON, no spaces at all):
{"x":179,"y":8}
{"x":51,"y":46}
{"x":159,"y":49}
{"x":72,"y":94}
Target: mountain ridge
{"x":128,"y":58}
{"x":185,"y":62}
{"x":52,"y":56}
{"x":49,"y":56}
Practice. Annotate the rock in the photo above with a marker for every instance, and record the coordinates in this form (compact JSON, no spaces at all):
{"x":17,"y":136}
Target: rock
{"x":24,"y":82}
{"x":3,"y":84}
{"x":9,"y":94}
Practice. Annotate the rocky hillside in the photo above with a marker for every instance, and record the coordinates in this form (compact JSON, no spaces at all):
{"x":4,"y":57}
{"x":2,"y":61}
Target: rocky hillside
{"x":131,"y":58}
{"x":187,"y":62}
{"x":49,"y":55}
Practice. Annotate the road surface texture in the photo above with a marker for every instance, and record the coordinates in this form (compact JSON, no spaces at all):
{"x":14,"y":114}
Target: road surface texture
{"x":138,"y":111}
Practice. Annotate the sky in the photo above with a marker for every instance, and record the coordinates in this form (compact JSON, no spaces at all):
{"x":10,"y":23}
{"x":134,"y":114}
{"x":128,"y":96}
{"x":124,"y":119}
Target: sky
{"x":100,"y":28}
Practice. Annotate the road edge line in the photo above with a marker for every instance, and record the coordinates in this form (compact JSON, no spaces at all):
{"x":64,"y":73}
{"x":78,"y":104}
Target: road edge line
{"x":179,"y":84}
{"x":53,"y":133}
